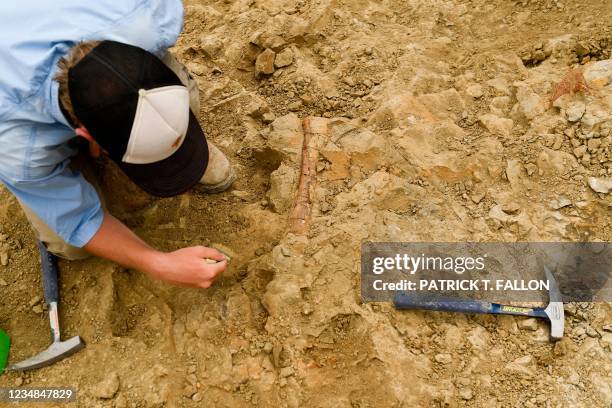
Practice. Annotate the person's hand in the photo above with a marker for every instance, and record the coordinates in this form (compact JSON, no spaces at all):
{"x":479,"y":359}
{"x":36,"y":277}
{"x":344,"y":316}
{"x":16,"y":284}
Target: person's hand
{"x":189,"y":266}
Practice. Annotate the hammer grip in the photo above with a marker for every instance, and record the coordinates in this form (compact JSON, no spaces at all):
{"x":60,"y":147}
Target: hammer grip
{"x":416,"y":301}
{"x":49,"y":274}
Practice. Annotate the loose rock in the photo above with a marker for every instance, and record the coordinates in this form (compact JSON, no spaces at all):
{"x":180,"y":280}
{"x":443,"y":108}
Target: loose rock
{"x":600,"y":185}
{"x":522,"y":365}
{"x":211,"y":45}
{"x":286,"y":372}
{"x":530,"y":104}
{"x":511,"y":207}
{"x":580,"y":151}
{"x":108,"y":387}
{"x":599,"y":74}
{"x":466,"y":393}
{"x":268,"y":117}
{"x":529,"y":324}
{"x":284,"y":58}
{"x":575,"y":111}
{"x":443,"y":358}
{"x":496,"y":125}
{"x":264,"y":65}
{"x":560,"y":202}
{"x":475,"y":91}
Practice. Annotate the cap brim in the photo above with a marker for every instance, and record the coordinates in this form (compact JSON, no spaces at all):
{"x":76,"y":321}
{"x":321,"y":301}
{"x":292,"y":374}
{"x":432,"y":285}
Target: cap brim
{"x":177,"y":173}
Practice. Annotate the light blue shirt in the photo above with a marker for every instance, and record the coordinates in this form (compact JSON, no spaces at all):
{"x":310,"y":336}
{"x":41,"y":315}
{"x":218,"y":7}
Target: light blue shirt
{"x":34,"y":135}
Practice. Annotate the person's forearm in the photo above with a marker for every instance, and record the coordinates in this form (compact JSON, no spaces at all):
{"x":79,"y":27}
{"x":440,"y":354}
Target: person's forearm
{"x":190,"y":266}
{"x":116,"y":242}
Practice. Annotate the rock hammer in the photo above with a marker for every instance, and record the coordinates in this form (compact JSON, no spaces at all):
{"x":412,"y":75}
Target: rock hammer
{"x":554,"y":312}
{"x":58,"y":350}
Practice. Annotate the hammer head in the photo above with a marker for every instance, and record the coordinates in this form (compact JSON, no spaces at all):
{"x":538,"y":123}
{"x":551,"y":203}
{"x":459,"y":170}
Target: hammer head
{"x":57,"y":351}
{"x":554,"y":310}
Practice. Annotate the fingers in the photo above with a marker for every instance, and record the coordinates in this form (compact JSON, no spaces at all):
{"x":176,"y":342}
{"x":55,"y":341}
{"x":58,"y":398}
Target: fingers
{"x":211,"y":253}
{"x":217,"y":268}
{"x":212,"y":272}
{"x":196,"y":266}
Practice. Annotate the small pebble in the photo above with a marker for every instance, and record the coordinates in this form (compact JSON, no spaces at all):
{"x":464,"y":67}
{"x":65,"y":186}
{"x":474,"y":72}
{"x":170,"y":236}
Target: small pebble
{"x":475,"y":91}
{"x":286,"y":372}
{"x":529,"y":324}
{"x":443,"y":358}
{"x":591,"y":332}
{"x":35,"y":300}
{"x":466,"y":393}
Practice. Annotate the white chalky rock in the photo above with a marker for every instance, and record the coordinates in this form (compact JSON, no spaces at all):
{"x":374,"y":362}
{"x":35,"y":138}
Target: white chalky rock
{"x":475,"y":91}
{"x":522,"y":365}
{"x":600,"y":185}
{"x":530,"y":104}
{"x":496,"y":125}
{"x":499,"y":85}
{"x":286,"y":136}
{"x":283,"y":182}
{"x":574,"y":111}
{"x":599,"y":74}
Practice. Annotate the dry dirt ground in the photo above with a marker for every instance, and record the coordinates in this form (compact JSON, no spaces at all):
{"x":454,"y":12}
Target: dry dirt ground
{"x":440,"y":130}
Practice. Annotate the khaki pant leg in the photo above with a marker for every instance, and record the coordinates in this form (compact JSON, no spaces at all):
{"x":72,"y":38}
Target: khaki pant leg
{"x":54,"y":243}
{"x":186,"y":79}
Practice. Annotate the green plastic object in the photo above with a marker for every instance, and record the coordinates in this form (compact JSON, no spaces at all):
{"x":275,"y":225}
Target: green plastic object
{"x":5,"y":345}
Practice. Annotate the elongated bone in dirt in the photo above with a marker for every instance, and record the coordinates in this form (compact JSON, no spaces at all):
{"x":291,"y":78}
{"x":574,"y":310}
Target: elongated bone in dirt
{"x":315,"y":132}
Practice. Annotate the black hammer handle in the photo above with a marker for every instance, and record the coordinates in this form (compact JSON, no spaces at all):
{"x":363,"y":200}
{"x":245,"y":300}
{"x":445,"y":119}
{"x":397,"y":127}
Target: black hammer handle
{"x":417,"y":301}
{"x":414,"y":301}
{"x":49,"y":274}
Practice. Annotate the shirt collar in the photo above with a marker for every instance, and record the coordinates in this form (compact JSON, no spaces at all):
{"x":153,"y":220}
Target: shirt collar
{"x":56,"y":111}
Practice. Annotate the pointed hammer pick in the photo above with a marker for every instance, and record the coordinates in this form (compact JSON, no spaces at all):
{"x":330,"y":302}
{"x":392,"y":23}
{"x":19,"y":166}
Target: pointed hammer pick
{"x":58,"y":350}
{"x":554,"y":312}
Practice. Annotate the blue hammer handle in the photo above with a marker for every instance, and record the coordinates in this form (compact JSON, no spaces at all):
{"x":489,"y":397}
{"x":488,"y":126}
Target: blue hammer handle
{"x":49,"y":274}
{"x":418,"y":302}
{"x":411,"y":301}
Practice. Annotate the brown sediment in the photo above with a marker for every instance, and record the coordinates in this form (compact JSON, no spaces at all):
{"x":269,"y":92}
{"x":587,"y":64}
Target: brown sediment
{"x":315,"y":129}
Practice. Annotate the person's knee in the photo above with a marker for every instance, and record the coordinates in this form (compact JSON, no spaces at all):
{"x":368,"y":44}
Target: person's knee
{"x":68,"y":252}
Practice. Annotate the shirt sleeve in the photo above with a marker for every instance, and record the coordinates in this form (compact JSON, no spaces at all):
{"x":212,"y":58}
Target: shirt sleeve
{"x":64,"y":200}
{"x":153,"y":25}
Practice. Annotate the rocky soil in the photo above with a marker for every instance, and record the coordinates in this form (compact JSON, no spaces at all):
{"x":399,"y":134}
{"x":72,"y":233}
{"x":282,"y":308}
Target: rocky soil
{"x":441,"y":128}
